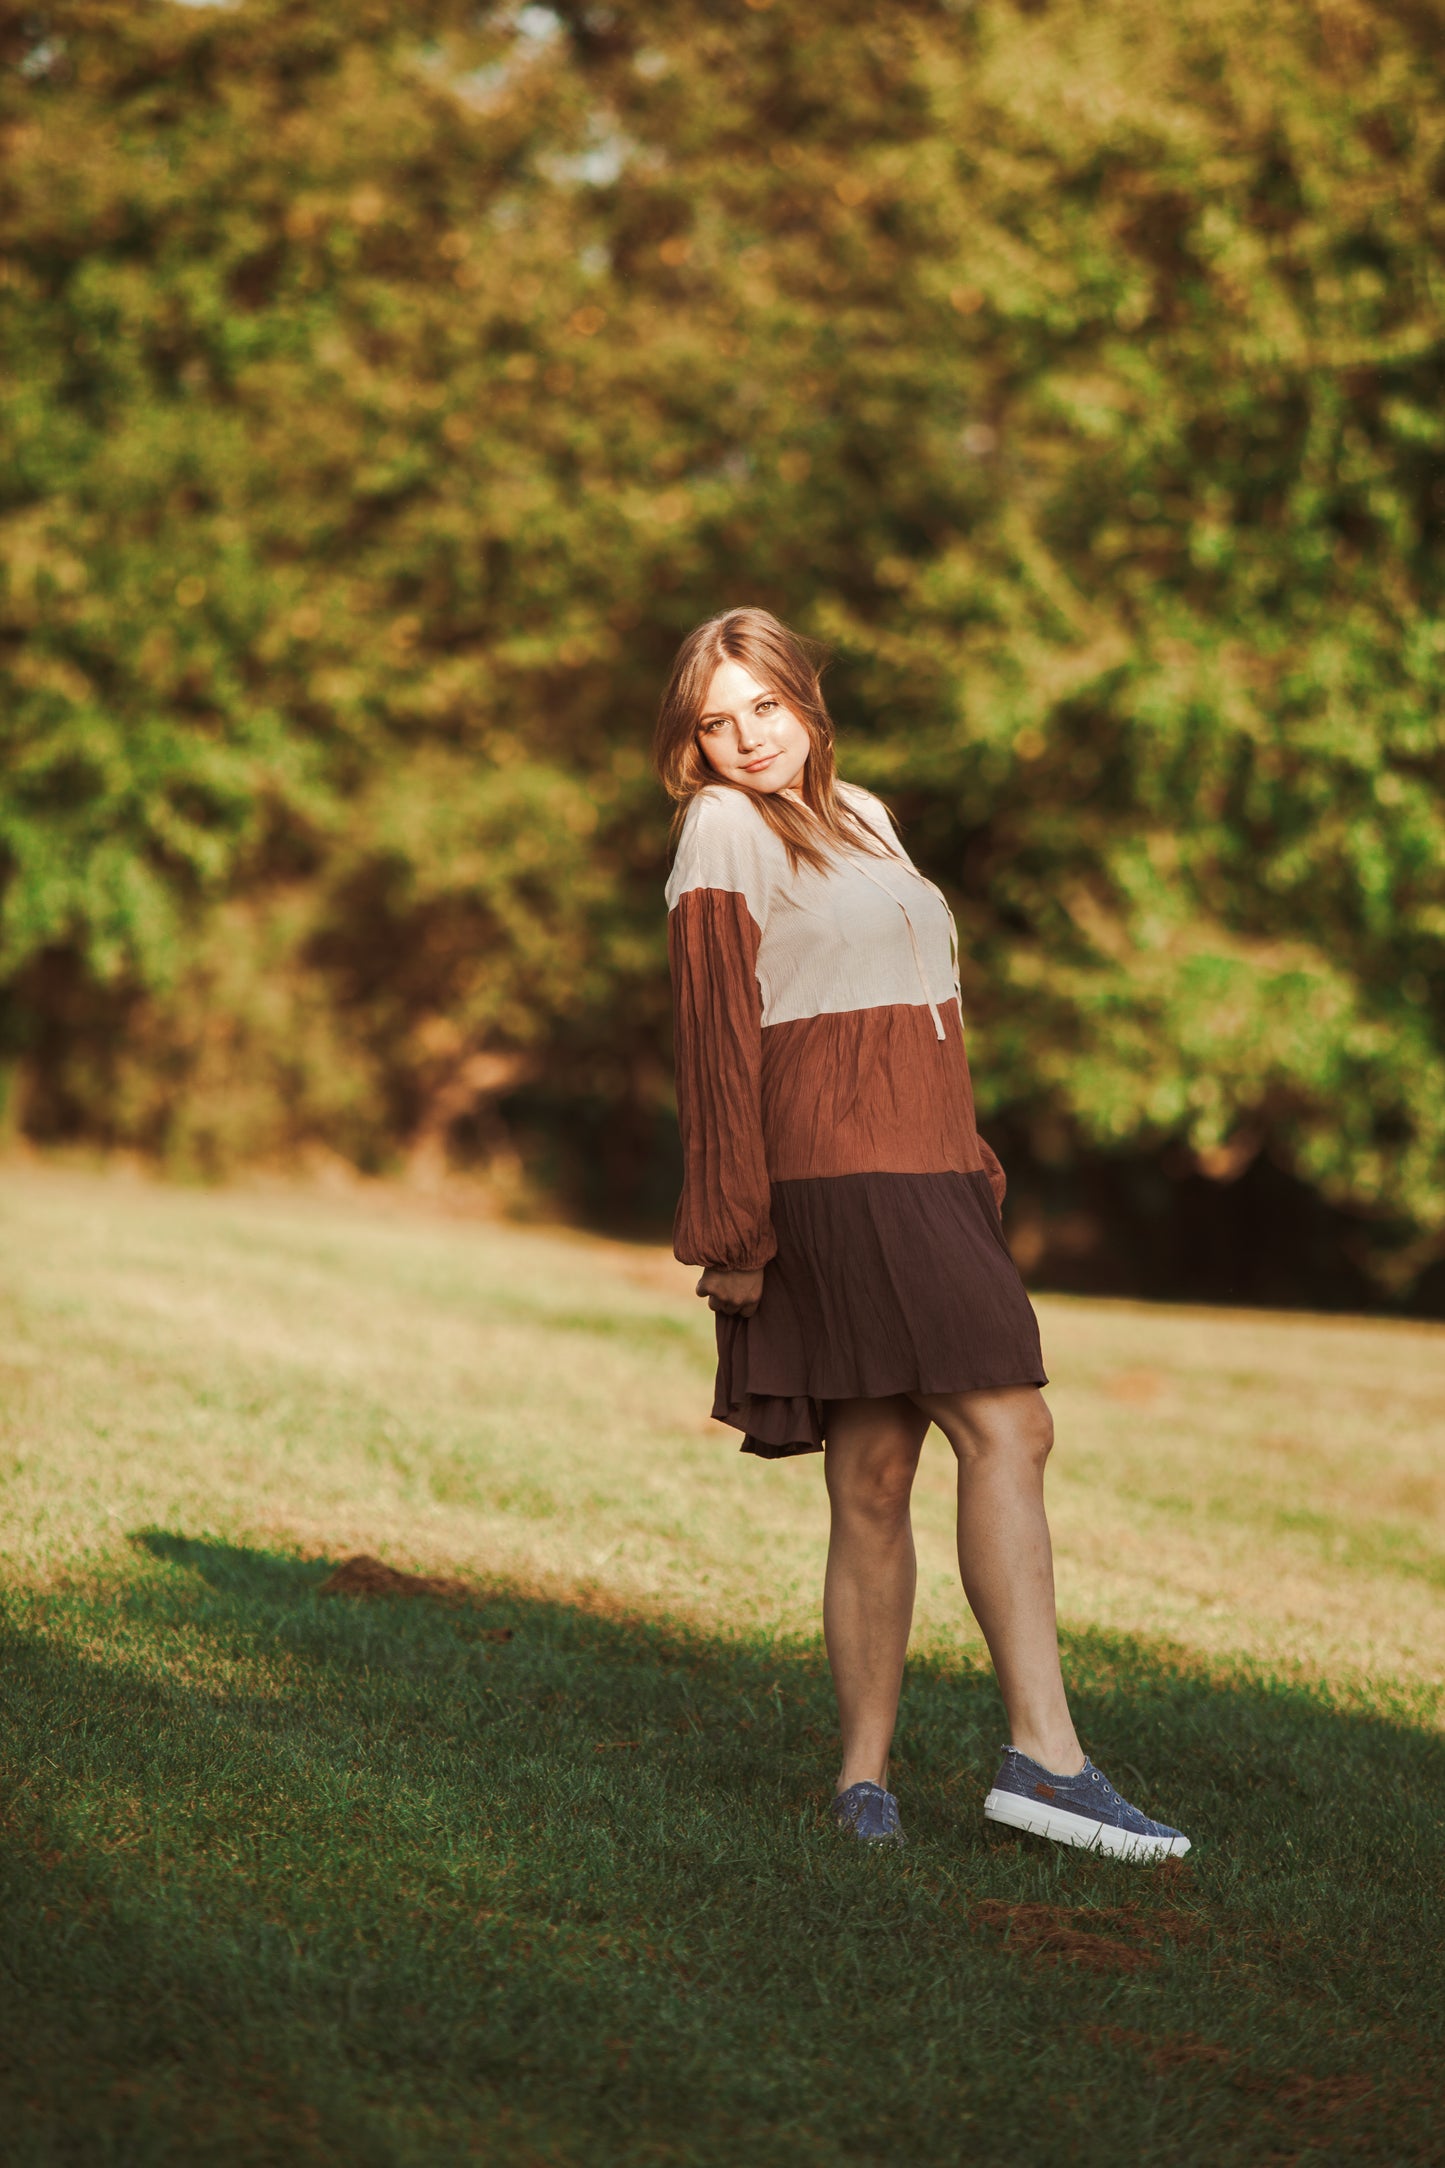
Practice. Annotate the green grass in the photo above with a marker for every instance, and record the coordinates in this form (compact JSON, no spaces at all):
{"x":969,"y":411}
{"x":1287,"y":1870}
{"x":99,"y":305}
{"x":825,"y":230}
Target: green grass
{"x":300,"y":1877}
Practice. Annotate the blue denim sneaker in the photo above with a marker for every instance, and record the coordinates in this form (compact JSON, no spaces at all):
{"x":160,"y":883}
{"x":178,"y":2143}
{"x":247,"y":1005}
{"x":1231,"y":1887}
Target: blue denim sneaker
{"x":870,"y":1814}
{"x":1083,"y":1809}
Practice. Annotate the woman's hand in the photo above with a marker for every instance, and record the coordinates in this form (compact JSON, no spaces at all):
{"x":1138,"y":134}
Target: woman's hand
{"x":735,"y":1294}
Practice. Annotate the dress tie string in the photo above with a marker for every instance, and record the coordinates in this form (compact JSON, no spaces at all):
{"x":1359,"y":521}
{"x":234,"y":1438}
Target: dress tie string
{"x":913,"y":939}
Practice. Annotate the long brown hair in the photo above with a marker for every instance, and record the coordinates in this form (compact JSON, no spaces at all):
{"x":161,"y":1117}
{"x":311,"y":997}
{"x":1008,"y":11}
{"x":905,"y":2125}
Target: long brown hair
{"x":779,"y":660}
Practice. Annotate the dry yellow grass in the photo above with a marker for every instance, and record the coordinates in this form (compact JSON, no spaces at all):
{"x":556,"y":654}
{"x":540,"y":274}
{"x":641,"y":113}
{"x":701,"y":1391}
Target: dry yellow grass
{"x":354,"y":1374}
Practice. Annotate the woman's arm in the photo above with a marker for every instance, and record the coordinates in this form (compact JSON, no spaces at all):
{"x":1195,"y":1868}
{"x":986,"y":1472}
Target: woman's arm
{"x":724,"y":1212}
{"x":993,"y":1168}
{"x":723,"y":1217}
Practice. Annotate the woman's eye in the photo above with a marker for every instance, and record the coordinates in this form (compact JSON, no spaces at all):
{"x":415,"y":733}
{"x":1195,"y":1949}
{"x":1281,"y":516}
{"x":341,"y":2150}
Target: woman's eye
{"x":764,"y":705}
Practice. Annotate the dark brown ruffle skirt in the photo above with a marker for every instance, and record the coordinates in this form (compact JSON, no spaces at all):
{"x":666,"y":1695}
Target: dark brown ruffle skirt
{"x":883,"y":1283}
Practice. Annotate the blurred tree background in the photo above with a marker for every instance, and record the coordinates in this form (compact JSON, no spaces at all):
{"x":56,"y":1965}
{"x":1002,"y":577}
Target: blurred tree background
{"x":388,"y":387}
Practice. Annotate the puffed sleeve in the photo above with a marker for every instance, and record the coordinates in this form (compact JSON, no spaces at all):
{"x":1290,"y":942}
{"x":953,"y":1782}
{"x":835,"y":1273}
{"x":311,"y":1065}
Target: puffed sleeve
{"x":717,"y":907}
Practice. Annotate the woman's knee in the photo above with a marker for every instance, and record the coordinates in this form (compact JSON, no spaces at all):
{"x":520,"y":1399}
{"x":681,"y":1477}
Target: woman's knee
{"x":1014,"y":1425}
{"x":870,"y":1468}
{"x":877,"y":1491}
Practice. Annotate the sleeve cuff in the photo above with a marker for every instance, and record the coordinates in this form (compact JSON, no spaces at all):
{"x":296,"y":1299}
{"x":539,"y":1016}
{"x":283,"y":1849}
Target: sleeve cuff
{"x":767,"y":1250}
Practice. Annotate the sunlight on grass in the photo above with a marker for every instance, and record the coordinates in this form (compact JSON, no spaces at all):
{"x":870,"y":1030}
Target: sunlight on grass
{"x":542,"y":1875}
{"x":499,"y":1402}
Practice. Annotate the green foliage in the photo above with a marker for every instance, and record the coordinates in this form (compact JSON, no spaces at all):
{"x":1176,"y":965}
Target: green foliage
{"x":394,"y":385}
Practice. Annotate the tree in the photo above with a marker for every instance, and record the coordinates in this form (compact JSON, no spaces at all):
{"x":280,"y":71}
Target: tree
{"x":398,"y":384}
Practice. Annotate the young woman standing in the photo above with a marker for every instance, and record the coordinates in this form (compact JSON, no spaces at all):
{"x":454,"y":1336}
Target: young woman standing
{"x":846,"y":1214}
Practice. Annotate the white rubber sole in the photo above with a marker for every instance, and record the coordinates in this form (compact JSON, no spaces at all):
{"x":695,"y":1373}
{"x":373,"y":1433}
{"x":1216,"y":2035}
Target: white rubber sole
{"x":1036,"y":1819}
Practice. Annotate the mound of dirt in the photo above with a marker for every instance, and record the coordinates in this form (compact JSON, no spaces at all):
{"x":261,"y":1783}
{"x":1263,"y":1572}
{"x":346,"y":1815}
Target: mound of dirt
{"x":367,"y":1576}
{"x":1073,"y":1932}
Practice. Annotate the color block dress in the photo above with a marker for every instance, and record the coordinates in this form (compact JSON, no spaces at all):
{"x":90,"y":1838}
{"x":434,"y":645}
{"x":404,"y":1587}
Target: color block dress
{"x":828,"y":1129}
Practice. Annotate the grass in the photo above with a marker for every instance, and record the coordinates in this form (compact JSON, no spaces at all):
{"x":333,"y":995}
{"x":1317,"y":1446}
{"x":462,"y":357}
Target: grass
{"x":540,"y":1876}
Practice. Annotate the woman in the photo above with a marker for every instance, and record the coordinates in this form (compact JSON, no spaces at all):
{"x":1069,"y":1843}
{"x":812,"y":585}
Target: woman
{"x":846,"y":1214}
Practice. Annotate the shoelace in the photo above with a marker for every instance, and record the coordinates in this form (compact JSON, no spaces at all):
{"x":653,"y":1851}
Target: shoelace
{"x":1117,"y":1799}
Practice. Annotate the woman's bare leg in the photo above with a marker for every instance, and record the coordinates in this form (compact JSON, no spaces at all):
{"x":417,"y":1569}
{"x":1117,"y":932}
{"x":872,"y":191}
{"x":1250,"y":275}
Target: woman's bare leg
{"x":871,"y":1457}
{"x":1001,"y":1441}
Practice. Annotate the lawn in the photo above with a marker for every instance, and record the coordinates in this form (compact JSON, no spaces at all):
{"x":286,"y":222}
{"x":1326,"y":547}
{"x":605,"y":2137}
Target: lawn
{"x":533,"y":1869}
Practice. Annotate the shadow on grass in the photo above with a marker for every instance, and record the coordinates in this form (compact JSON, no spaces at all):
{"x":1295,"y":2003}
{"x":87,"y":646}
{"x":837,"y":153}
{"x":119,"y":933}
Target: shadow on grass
{"x":234,"y":1569}
{"x":292,"y":1878}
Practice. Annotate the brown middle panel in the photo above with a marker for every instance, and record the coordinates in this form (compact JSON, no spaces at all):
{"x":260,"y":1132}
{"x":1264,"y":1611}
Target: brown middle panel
{"x":868,"y":1091}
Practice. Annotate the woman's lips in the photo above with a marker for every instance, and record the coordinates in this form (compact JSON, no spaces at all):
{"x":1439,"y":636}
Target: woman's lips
{"x":751,"y":767}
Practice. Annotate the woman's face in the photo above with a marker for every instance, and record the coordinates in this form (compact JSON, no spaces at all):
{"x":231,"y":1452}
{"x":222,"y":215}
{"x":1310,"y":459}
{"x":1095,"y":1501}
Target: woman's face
{"x":747,"y":734}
